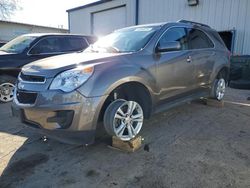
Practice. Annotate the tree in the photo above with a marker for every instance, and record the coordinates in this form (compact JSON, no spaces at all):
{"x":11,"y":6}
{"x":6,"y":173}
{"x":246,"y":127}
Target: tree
{"x":7,"y":8}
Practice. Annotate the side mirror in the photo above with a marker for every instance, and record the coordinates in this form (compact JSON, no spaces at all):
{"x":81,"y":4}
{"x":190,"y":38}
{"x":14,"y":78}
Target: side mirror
{"x":169,"y":46}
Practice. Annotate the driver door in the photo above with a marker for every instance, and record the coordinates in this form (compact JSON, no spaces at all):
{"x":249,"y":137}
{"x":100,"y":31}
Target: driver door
{"x":175,"y":70}
{"x":46,"y":47}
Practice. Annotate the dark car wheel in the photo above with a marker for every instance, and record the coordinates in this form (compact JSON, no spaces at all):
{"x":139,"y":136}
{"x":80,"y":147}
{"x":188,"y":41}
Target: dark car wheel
{"x":123,"y":119}
{"x":7,"y":86}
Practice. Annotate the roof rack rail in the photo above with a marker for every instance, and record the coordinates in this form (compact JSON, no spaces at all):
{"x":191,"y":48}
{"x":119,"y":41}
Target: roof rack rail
{"x":195,"y":23}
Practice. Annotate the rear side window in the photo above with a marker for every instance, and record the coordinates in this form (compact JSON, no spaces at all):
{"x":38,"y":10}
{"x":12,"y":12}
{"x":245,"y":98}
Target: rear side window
{"x":59,"y":44}
{"x":73,"y":44}
{"x":218,"y":38}
{"x":177,"y":34}
{"x":198,"y":40}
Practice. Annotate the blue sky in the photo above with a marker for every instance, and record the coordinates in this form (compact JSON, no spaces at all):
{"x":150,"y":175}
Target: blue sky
{"x":46,"y":12}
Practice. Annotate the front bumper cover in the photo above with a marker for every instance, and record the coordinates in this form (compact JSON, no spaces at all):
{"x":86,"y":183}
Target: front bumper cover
{"x":43,"y":115}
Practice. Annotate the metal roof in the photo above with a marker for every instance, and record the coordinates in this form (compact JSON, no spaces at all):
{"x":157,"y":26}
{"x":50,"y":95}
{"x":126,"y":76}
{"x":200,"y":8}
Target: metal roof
{"x":89,"y":5}
{"x":53,"y":34}
{"x":18,"y":23}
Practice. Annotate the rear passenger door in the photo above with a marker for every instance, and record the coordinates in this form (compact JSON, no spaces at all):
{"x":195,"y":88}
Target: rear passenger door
{"x":202,"y":54}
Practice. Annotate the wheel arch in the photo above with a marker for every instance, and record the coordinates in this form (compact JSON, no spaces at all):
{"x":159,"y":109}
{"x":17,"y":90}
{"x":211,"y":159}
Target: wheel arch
{"x":221,"y":69}
{"x":127,"y":85}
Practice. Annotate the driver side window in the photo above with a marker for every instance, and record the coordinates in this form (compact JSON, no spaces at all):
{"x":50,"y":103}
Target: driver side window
{"x":177,"y":34}
{"x":46,"y":46}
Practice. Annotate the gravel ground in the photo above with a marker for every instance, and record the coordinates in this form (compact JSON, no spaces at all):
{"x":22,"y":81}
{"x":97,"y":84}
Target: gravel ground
{"x":193,"y":145}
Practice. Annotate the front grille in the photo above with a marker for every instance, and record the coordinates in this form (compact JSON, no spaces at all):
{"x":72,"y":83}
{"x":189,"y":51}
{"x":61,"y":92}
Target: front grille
{"x":31,"y":78}
{"x":26,"y":97}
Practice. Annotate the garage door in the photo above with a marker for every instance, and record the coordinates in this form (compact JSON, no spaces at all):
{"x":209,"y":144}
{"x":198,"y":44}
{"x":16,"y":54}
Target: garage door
{"x":107,"y":21}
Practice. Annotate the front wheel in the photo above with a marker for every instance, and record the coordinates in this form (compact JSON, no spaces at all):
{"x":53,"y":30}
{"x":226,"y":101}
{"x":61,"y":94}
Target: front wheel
{"x":123,"y":119}
{"x":7,"y":86}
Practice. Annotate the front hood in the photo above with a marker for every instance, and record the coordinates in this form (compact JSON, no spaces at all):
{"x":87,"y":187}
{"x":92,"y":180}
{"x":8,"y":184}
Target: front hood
{"x":9,"y":60}
{"x":3,"y":53}
{"x":49,"y":67}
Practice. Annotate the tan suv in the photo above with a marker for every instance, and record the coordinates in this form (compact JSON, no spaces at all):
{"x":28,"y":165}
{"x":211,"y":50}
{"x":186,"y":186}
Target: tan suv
{"x":122,"y":79}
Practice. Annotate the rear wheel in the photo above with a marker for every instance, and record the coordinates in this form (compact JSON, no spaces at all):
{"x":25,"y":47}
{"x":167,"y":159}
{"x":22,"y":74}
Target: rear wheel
{"x":219,"y":88}
{"x":7,"y":86}
{"x":123,"y":119}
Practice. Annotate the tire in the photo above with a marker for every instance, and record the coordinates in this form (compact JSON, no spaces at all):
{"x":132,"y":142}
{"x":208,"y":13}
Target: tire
{"x":218,"y":88}
{"x":240,"y":84}
{"x":122,"y":122}
{"x":235,"y":73}
{"x":7,"y":86}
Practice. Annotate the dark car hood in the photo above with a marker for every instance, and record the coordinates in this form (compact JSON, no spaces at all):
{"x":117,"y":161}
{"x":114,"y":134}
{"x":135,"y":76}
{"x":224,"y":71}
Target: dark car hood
{"x":9,"y":60}
{"x":49,"y":67}
{"x":3,"y":53}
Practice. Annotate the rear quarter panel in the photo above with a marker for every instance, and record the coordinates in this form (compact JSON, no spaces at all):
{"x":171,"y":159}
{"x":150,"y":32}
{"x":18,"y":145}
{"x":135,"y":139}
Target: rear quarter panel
{"x":222,"y":60}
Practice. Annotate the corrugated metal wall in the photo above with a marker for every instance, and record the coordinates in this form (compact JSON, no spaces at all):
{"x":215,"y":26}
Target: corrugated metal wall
{"x":9,"y":31}
{"x":80,"y":20}
{"x":219,"y":14}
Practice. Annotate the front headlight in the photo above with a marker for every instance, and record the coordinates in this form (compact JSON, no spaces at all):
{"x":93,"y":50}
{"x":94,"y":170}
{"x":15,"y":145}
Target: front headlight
{"x":71,"y":79}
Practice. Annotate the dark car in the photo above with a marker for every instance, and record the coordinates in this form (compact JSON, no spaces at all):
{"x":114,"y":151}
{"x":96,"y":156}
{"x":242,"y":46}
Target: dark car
{"x":2,"y":43}
{"x":122,"y":80}
{"x":31,"y":47}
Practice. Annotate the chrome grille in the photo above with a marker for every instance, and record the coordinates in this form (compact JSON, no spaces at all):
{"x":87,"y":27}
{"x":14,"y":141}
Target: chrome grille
{"x":31,"y":78}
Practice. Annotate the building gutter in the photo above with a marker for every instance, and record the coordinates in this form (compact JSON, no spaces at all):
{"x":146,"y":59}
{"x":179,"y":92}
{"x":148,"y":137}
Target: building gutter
{"x":137,"y":3}
{"x":69,"y":28}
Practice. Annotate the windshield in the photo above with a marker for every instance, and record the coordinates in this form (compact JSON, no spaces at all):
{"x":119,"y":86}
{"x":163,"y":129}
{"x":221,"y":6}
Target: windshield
{"x":124,"y":40}
{"x":18,"y":45}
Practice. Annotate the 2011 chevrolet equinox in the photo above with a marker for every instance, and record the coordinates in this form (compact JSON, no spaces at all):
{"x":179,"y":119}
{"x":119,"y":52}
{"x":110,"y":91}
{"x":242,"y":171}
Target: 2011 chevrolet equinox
{"x":122,"y":79}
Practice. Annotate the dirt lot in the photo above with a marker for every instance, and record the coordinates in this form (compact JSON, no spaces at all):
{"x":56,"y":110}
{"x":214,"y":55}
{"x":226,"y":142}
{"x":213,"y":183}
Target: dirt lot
{"x":193,"y":145}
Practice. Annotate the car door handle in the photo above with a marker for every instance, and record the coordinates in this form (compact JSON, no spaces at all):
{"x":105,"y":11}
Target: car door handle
{"x":189,"y":59}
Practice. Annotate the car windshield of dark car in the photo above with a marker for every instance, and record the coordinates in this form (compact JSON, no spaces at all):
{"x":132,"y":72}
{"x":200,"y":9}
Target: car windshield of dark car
{"x":124,"y":40}
{"x":18,"y":45}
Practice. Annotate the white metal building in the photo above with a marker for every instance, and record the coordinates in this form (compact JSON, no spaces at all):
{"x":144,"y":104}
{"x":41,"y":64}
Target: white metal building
{"x":10,"y":30}
{"x":229,"y":16}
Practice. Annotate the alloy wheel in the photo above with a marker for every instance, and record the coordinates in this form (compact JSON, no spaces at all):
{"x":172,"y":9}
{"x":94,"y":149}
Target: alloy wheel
{"x":220,"y":89}
{"x":6,"y":92}
{"x":128,"y":120}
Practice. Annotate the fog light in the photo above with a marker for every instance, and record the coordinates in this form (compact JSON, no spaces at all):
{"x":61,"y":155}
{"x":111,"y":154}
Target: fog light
{"x":63,"y":118}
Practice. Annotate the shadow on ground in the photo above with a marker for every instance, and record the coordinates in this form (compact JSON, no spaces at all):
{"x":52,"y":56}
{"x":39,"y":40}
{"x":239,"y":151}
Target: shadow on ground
{"x":190,"y":146}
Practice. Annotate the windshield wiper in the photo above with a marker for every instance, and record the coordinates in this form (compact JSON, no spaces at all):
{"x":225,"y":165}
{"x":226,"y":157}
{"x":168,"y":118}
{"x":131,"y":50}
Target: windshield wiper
{"x":113,"y":49}
{"x":4,"y":51}
{"x":99,"y":49}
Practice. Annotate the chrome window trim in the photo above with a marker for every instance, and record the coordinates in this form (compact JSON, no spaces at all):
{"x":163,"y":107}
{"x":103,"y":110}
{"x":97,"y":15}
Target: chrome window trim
{"x":53,"y":53}
{"x":188,"y":50}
